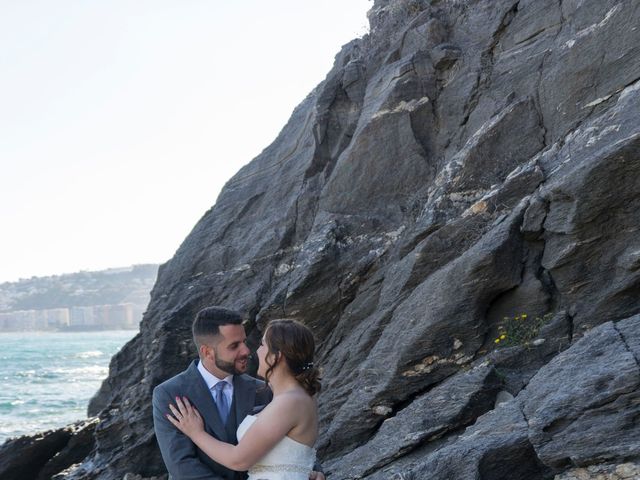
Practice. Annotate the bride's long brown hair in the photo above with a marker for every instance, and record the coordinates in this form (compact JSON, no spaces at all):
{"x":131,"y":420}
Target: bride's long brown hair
{"x":296,"y":344}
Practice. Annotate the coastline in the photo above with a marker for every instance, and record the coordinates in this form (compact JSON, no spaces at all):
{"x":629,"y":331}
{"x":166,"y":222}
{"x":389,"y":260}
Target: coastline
{"x":76,"y":328}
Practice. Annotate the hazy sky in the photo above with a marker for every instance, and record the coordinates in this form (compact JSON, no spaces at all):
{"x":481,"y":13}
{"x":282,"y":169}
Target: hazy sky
{"x":121,"y":120}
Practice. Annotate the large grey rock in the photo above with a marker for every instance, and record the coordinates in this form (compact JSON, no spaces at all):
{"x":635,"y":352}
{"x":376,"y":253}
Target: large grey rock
{"x":581,"y":407}
{"x":578,"y":410}
{"x":445,"y":408}
{"x":496,"y":448}
{"x":465,"y":161}
{"x":23,"y":457}
{"x":40,"y":456}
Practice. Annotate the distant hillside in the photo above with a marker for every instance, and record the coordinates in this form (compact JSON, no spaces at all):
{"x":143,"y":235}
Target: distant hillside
{"x":105,"y":287}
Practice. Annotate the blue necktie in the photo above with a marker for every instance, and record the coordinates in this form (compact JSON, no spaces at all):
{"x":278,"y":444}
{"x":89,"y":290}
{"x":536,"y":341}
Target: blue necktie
{"x":221,"y":401}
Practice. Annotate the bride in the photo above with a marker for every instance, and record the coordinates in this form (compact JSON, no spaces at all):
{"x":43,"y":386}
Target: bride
{"x":278,"y":443}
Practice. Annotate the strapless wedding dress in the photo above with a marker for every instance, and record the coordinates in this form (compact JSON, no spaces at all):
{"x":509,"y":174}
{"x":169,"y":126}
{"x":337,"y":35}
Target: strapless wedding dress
{"x":288,"y":460}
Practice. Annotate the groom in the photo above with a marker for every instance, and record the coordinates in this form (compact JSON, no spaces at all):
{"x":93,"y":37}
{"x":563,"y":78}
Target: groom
{"x":219,"y":389}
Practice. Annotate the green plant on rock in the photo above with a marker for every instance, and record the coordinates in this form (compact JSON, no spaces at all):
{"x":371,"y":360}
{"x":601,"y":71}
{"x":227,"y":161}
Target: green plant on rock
{"x":519,"y":329}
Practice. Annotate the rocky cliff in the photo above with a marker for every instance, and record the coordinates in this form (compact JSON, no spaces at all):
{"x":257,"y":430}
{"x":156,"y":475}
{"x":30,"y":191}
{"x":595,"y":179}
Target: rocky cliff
{"x":454,"y":211}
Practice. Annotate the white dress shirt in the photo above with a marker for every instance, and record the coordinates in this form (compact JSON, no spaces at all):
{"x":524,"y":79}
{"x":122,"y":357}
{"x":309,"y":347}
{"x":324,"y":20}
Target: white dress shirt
{"x":211,"y":381}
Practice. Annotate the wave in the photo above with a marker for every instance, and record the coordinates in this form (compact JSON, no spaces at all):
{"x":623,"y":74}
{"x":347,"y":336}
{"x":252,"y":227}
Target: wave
{"x":10,"y":405}
{"x":91,"y":370}
{"x":56,"y":375}
{"x":89,"y":354}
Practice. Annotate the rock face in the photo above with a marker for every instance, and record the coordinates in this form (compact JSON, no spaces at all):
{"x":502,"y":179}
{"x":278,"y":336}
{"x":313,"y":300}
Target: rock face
{"x":466,"y":161}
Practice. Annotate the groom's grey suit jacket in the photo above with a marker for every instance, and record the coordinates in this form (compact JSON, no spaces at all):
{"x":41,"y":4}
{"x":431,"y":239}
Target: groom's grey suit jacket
{"x":183,"y":459}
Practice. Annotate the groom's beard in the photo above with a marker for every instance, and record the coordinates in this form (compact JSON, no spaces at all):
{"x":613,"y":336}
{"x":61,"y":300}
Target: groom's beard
{"x":230,"y":367}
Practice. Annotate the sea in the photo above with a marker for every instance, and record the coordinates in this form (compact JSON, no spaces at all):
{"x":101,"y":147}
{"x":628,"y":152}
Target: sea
{"x":48,"y":378}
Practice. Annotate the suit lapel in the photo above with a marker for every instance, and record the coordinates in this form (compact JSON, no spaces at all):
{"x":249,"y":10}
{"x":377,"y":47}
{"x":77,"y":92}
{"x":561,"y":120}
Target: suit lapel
{"x":200,"y":396}
{"x":244,"y":392}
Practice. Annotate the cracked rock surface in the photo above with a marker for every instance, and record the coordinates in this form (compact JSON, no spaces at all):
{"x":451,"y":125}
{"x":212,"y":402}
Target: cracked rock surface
{"x":465,"y":162}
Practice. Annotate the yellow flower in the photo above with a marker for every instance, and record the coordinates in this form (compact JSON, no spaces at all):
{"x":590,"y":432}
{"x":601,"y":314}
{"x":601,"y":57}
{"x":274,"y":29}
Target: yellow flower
{"x":497,"y":340}
{"x":502,"y":337}
{"x":524,"y":315}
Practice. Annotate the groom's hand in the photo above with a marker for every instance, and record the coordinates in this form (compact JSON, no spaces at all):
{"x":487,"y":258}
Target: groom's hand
{"x":316,"y":476}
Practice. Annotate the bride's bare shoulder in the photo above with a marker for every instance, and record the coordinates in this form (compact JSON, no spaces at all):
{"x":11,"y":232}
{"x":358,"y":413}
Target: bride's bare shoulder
{"x":293,"y":399}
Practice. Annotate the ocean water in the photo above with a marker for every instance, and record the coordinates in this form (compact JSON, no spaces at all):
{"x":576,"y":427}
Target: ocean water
{"x":48,"y":378}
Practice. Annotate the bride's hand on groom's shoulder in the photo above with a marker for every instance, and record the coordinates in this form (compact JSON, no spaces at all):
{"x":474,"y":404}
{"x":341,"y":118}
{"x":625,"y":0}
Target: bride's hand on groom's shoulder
{"x":185,"y":417}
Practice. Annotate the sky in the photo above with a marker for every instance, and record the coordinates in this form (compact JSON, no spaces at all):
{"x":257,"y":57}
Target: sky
{"x":121,"y":120}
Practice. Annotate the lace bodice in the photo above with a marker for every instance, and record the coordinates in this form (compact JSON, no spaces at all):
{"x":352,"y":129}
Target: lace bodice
{"x":288,"y":460}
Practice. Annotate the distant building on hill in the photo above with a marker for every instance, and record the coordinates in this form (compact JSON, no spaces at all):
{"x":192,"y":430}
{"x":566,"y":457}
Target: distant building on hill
{"x":112,"y":299}
{"x":98,"y":317}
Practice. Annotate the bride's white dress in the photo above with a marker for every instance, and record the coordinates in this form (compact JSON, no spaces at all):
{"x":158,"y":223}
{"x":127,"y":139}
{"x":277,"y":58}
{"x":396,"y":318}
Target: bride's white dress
{"x":288,"y":460}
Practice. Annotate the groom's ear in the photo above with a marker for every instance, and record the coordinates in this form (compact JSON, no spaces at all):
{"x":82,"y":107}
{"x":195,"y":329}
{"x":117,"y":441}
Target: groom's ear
{"x":206,"y":351}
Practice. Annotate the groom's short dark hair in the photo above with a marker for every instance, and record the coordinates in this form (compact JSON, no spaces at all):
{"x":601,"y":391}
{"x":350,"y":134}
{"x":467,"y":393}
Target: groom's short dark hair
{"x":209,"y":320}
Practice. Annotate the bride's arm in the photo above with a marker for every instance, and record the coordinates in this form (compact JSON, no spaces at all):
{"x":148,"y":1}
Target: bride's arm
{"x":267,"y":430}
